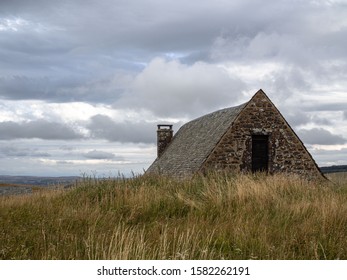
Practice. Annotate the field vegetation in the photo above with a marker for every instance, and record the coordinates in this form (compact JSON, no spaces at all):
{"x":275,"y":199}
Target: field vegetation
{"x":213,"y":217}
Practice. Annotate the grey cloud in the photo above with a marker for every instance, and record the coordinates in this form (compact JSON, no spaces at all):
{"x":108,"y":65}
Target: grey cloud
{"x":102,"y":155}
{"x":42,"y":47}
{"x":67,"y":148}
{"x":159,"y":26}
{"x":64,"y":162}
{"x":293,"y":33}
{"x":322,"y":121}
{"x":22,"y":87}
{"x":262,"y":45}
{"x":104,"y":127}
{"x":41,"y":154}
{"x":296,"y":118}
{"x":57,"y":41}
{"x":64,"y":89}
{"x":320,"y":136}
{"x":345,"y":115}
{"x":13,"y":151}
{"x":37,"y":129}
{"x":326,"y":106}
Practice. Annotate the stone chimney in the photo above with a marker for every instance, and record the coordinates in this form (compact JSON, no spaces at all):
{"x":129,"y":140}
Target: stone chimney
{"x":164,"y":136}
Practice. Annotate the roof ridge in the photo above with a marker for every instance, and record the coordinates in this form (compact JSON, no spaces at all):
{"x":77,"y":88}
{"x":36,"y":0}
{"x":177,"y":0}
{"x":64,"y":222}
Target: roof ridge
{"x":217,"y":111}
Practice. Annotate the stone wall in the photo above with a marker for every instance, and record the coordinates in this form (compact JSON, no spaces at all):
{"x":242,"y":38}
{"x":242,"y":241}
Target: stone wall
{"x":260,"y":117}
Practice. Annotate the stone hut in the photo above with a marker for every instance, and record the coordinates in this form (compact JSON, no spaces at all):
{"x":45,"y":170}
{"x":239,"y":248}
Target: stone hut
{"x":251,"y":137}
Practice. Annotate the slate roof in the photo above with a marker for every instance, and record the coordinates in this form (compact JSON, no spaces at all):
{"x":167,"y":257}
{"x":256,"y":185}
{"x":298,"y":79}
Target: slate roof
{"x":194,"y":142}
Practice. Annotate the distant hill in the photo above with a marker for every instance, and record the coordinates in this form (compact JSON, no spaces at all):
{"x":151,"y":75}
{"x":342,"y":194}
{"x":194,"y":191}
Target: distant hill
{"x":334,"y":168}
{"x":67,"y":180}
{"x":37,"y":181}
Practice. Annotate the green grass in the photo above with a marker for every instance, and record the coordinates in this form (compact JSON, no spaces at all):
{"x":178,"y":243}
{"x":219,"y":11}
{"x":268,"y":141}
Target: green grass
{"x":214,"y":217}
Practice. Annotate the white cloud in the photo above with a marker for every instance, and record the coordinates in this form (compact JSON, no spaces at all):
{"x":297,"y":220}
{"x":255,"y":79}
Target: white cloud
{"x":332,"y":156}
{"x":12,"y":24}
{"x":170,"y":88}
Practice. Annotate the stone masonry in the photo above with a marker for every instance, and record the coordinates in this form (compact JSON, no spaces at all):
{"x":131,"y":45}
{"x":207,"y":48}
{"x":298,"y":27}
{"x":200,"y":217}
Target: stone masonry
{"x":260,"y":117}
{"x":164,"y":137}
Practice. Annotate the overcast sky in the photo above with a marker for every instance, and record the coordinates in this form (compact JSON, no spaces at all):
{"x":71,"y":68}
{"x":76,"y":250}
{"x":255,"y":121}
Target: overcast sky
{"x":83,"y":83}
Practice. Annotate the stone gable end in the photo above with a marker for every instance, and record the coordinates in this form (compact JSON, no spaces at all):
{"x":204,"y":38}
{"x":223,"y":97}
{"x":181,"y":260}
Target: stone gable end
{"x":286,"y":153}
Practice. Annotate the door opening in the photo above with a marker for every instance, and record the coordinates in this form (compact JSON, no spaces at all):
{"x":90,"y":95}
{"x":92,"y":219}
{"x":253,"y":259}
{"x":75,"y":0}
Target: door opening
{"x":260,"y":153}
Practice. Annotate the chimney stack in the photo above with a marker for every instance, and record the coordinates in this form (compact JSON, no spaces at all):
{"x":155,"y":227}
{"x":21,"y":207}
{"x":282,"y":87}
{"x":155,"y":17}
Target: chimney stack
{"x":164,"y":136}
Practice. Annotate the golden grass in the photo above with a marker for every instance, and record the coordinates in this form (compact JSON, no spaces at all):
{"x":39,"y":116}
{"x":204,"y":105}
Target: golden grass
{"x":214,"y":217}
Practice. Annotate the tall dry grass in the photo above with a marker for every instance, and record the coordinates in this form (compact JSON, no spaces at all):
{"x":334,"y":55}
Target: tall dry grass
{"x":214,"y":217}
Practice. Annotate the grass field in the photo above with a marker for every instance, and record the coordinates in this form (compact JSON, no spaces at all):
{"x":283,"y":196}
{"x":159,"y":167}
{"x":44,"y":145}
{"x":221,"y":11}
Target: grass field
{"x":216,"y":217}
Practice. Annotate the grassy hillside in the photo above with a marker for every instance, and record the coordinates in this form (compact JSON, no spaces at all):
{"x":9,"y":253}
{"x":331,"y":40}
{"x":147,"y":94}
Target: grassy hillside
{"x":219,"y":217}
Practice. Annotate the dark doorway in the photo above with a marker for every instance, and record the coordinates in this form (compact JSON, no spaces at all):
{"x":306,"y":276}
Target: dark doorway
{"x":260,"y":153}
